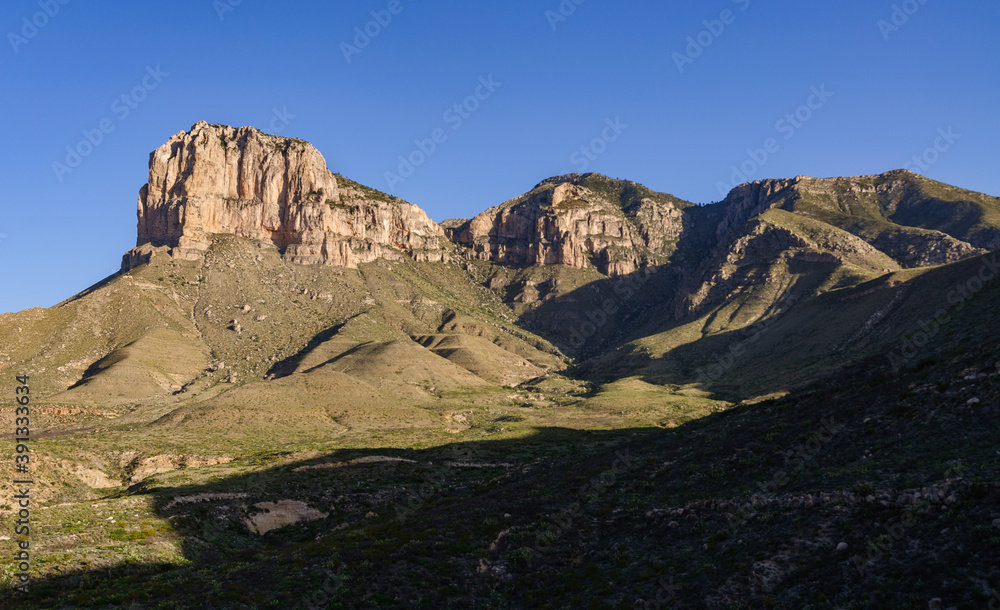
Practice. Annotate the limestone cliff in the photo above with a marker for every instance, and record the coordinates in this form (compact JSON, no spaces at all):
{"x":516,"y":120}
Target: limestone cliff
{"x":217,"y":179}
{"x":577,"y":221}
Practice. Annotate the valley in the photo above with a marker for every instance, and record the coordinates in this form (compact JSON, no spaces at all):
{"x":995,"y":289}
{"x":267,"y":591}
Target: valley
{"x":299,"y":391}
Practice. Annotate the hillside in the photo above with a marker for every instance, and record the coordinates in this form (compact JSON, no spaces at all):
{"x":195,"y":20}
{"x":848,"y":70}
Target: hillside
{"x":873,"y":488}
{"x":591,"y":394}
{"x":801,"y":277}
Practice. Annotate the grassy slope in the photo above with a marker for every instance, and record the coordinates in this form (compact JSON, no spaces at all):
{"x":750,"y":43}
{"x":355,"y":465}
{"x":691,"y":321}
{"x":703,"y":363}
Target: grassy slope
{"x":801,"y":341}
{"x":840,"y":311}
{"x":169,"y":320}
{"x":155,"y":350}
{"x":540,"y":445}
{"x":740,"y":509}
{"x":900,"y":203}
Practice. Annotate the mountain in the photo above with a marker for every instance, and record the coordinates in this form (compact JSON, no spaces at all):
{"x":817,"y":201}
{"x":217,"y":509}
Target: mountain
{"x":591,"y":393}
{"x":578,"y":221}
{"x":216,"y":179}
{"x":255,"y":265}
{"x":616,"y":272}
{"x":868,"y":225}
{"x":793,"y":256}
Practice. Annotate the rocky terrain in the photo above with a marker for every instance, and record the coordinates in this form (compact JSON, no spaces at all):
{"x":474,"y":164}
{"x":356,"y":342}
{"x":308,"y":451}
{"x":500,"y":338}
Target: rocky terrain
{"x":215,"y":179}
{"x":578,"y":222}
{"x":755,"y":245}
{"x":302,"y":392}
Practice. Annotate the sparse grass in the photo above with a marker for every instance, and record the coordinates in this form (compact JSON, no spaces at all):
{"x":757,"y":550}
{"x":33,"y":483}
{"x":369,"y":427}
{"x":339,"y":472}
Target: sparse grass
{"x":366,"y":191}
{"x":624,"y":479}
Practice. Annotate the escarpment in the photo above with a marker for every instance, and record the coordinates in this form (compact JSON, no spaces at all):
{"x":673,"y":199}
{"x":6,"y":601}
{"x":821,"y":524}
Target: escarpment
{"x":766,"y":239}
{"x":217,"y":179}
{"x":576,"y":221}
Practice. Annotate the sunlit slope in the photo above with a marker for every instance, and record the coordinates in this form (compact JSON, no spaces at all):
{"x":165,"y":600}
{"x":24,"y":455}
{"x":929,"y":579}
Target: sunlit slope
{"x":779,"y":347}
{"x":185,"y":332}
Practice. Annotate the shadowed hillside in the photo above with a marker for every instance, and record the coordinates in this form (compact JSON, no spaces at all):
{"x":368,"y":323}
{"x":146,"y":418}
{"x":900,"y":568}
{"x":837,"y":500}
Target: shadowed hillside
{"x":869,"y":489}
{"x":302,"y":392}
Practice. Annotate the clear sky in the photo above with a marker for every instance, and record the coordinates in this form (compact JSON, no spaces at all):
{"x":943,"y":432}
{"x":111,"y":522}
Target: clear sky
{"x":669,"y":94}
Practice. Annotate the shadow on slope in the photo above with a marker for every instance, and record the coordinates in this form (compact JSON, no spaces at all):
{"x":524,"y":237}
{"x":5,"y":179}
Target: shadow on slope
{"x":895,"y":316}
{"x":744,"y":507}
{"x":779,"y":345}
{"x":603,"y":312}
{"x":287,"y":366}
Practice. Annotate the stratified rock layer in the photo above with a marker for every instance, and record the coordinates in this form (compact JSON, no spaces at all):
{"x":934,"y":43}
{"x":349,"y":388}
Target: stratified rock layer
{"x":216,"y":179}
{"x":577,"y":221}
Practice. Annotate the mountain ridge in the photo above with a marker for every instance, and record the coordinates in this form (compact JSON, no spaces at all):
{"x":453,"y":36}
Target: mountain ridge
{"x":219,"y":179}
{"x":591,"y":378}
{"x":581,"y":266}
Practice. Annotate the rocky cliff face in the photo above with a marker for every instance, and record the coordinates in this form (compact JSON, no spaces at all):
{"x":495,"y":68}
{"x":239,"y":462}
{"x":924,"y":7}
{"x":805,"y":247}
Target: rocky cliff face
{"x":764,"y":239}
{"x":576,"y":221}
{"x":217,"y":179}
{"x":749,"y":200}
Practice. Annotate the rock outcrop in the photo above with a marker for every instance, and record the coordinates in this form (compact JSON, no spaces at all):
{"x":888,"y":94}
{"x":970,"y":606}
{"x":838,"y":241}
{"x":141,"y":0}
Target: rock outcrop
{"x":576,"y":221}
{"x":898,"y":212}
{"x":863,"y":226}
{"x":220,"y":180}
{"x":216,"y":179}
{"x":752,"y":199}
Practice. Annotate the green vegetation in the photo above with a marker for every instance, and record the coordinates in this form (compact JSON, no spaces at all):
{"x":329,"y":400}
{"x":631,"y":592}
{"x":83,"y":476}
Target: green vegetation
{"x":481,"y":435}
{"x":365,"y":192}
{"x":661,"y":511}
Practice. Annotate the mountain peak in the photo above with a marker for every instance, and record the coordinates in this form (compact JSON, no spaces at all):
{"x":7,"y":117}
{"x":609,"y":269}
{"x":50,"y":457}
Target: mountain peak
{"x":578,"y":221}
{"x":575,"y":178}
{"x":217,"y":179}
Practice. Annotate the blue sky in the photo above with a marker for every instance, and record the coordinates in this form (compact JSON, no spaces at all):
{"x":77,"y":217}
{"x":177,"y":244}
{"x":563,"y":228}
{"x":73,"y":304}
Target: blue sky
{"x":691,"y":90}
